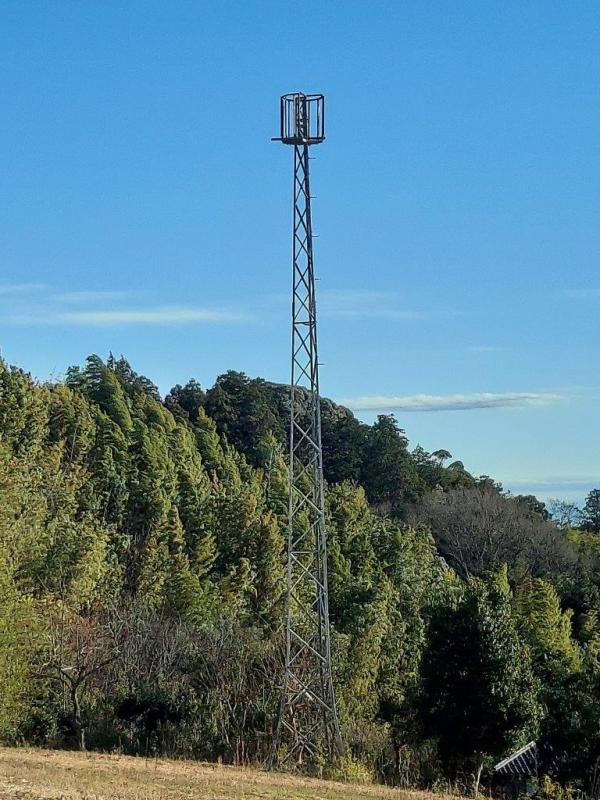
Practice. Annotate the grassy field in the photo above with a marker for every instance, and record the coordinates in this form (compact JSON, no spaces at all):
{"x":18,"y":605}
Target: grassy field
{"x":30,"y":774}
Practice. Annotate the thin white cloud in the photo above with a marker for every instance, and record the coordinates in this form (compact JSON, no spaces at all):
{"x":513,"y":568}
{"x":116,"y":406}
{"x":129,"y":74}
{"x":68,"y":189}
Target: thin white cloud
{"x":481,"y":348}
{"x":20,"y":288}
{"x":554,"y":484}
{"x":453,"y":402}
{"x":91,"y":296}
{"x":364,"y":304}
{"x":570,"y":489}
{"x":163,"y":315}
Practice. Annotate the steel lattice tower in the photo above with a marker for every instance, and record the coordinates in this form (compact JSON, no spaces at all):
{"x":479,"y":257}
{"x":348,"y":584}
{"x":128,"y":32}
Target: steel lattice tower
{"x":308,"y":728}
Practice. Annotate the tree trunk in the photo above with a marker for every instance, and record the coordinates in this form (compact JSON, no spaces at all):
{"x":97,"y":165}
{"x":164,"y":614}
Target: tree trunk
{"x":77,"y":719}
{"x":478,"y":778}
{"x":397,"y":758}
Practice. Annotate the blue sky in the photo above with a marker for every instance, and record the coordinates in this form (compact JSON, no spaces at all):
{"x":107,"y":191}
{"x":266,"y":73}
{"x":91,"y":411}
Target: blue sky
{"x":146,"y":211}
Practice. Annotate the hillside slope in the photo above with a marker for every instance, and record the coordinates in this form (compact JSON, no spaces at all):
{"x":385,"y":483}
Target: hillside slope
{"x":30,"y":774}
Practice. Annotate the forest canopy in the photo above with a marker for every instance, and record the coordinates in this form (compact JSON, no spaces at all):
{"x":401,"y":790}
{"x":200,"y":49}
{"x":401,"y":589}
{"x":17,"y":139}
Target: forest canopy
{"x":142,"y":584}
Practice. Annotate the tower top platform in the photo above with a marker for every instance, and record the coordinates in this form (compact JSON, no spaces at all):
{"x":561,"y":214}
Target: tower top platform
{"x":302,"y":119}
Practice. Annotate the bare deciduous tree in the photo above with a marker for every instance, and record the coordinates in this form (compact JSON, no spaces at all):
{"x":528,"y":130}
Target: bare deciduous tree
{"x":235,"y":676}
{"x":76,"y":649}
{"x":565,"y":515}
{"x":481,"y":528}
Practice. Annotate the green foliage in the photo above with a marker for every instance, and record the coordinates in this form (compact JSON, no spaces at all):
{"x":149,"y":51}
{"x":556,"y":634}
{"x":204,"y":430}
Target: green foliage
{"x":546,"y":627}
{"x":17,"y":627}
{"x":142,"y":584}
{"x":591,"y":512}
{"x":240,"y":409}
{"x":552,"y":790}
{"x":479,"y":692}
{"x":388,"y":473}
{"x":571,"y":727}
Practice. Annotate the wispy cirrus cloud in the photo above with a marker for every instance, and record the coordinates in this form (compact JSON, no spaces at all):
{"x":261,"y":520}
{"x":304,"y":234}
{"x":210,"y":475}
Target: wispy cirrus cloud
{"x":364,"y":304}
{"x":572,"y":489}
{"x":85,"y":296}
{"x":20,"y":288}
{"x":161,"y":315}
{"x":454,"y":402}
{"x":557,"y":484}
{"x":40,"y":305}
